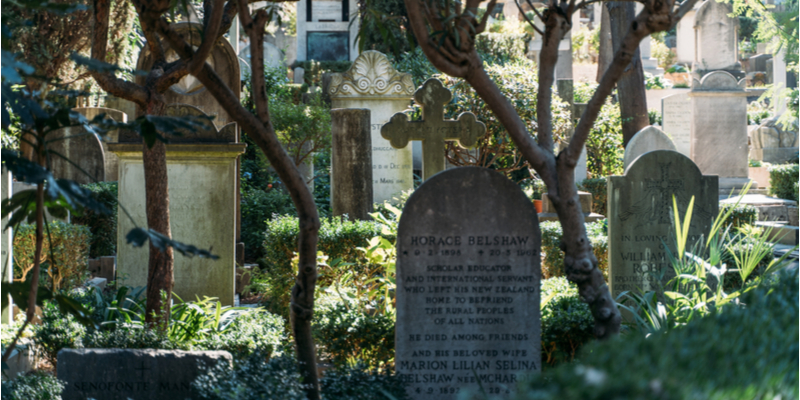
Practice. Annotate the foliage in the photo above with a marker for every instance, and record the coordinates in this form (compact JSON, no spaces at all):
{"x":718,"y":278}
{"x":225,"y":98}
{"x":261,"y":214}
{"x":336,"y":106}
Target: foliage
{"x":783,"y":181}
{"x":249,"y":333}
{"x":654,"y":82}
{"x":567,"y":322}
{"x":534,"y":189}
{"x":130,"y":338}
{"x":710,"y":358}
{"x":754,"y":163}
{"x":384,"y":27}
{"x":740,"y":214}
{"x":598,"y":187}
{"x":102,"y":226}
{"x":33,"y":386}
{"x":56,"y":331}
{"x":553,"y":256}
{"x":313,"y":70}
{"x":758,"y":111}
{"x":255,"y":378}
{"x":604,"y":150}
{"x":65,"y":252}
{"x":662,"y":53}
{"x":259,"y":206}
{"x":581,"y":45}
{"x":415,"y":63}
{"x":358,"y":382}
{"x":347,"y":333}
{"x":338,"y":238}
{"x":302,"y":128}
{"x":654,"y":116}
{"x":501,"y":48}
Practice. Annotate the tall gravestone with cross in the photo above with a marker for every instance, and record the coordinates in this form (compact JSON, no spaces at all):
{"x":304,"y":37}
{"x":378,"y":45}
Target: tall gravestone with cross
{"x":640,"y":217}
{"x":433,"y":130}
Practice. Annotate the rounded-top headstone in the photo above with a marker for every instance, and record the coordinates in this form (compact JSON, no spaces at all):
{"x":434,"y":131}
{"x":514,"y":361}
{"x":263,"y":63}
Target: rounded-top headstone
{"x":646,"y":140}
{"x":468,"y":272}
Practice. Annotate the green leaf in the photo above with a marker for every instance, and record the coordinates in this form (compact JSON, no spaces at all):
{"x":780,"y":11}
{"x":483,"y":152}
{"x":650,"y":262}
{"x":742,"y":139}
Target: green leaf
{"x":138,"y":236}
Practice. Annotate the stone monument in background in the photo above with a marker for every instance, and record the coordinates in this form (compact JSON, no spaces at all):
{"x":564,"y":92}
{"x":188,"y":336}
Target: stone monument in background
{"x":468,"y":271}
{"x":640,"y":218}
{"x":676,"y":121}
{"x":719,"y":129}
{"x":372,"y":83}
{"x":646,"y":140}
{"x":716,"y":40}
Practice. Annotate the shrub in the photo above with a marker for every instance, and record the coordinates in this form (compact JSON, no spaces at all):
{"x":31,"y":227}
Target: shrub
{"x":757,"y":111}
{"x":56,"y":331}
{"x":742,"y":214}
{"x":103,"y":227}
{"x":349,"y":334}
{"x":567,"y":322}
{"x":501,"y":47}
{"x":66,"y":256}
{"x":254,"y":331}
{"x":553,"y":257}
{"x":783,"y":181}
{"x":604,"y":148}
{"x":598,"y":187}
{"x":662,"y":53}
{"x":359,"y":383}
{"x":259,"y":206}
{"x":654,"y":116}
{"x":130,"y":338}
{"x":731,"y":354}
{"x":338,"y":238}
{"x":314,"y":69}
{"x":33,"y":386}
{"x":254,"y":378}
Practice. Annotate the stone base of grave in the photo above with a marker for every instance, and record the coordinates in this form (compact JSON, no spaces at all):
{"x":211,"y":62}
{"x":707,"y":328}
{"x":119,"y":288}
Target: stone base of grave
{"x":549,"y":213}
{"x":726,"y":185}
{"x":781,"y":232}
{"x":770,"y":209}
{"x":775,"y":155}
{"x":736,"y":72}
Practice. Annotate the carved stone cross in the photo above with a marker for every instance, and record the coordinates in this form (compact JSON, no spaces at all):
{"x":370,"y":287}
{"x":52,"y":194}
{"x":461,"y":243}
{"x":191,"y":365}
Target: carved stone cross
{"x":433,"y":130}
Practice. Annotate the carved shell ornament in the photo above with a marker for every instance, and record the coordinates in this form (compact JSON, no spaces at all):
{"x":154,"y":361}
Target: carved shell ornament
{"x":371,"y":75}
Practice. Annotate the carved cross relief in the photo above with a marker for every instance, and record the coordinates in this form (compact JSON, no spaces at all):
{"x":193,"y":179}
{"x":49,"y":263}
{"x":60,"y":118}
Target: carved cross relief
{"x":433,"y":130}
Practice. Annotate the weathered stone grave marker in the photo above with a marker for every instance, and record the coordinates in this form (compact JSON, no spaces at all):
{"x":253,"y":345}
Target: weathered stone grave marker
{"x":372,"y":83}
{"x":640,"y":217}
{"x":351,"y":163}
{"x":676,"y":112}
{"x":648,"y":139}
{"x":468,"y":271}
{"x":716,"y":35}
{"x":433,"y":130}
{"x":122,"y":374}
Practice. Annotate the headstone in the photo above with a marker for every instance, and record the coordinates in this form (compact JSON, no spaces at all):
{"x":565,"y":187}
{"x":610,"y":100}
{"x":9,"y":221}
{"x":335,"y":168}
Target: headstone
{"x":468,"y":270}
{"x":566,"y":91}
{"x":189,"y":90}
{"x":649,"y":63}
{"x":372,"y":83}
{"x":563,"y":68}
{"x":646,"y":140}
{"x":774,"y":143}
{"x":7,"y":249}
{"x":640,"y":217}
{"x":273,"y":58}
{"x":99,"y":283}
{"x":433,"y":130}
{"x":585,"y":198}
{"x":351,"y":163}
{"x":716,"y":40}
{"x":684,"y":37}
{"x":121,"y":374}
{"x":719,"y":128}
{"x":324,"y":31}
{"x":758,"y":63}
{"x":111,"y":161}
{"x":299,"y":75}
{"x":202,"y":207}
{"x":676,"y":121}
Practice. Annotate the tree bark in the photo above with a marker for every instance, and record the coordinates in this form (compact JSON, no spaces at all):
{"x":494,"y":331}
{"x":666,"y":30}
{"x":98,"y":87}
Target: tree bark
{"x":630,"y":87}
{"x":605,"y":51}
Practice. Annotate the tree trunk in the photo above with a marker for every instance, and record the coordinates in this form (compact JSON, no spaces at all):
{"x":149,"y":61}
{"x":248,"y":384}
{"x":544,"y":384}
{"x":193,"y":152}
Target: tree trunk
{"x":630,"y":87}
{"x":605,"y":52}
{"x":160,"y":267}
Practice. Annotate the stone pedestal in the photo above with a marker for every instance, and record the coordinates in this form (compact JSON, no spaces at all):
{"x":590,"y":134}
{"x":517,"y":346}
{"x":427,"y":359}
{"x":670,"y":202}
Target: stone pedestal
{"x":676,"y":113}
{"x":202,"y":194}
{"x":719,"y":128}
{"x":351,"y":163}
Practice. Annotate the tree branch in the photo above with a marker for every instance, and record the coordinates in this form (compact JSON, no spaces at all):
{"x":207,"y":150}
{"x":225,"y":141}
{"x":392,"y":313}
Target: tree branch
{"x":533,"y":25}
{"x":212,"y":21}
{"x":107,"y":81}
{"x":548,"y":57}
{"x":417,"y":22}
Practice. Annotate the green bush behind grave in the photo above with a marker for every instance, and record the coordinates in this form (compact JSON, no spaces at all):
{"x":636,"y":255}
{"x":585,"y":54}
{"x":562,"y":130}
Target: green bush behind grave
{"x":743,"y":214}
{"x":313,"y":69}
{"x":338,"y":239}
{"x":553,"y":261}
{"x":783,"y":181}
{"x":345,"y":333}
{"x":66,"y":255}
{"x":740,"y":352}
{"x":497,"y":47}
{"x":567,"y":322}
{"x":103,"y":227}
{"x":36,"y":385}
{"x":598,"y":187}
{"x":259,"y":206}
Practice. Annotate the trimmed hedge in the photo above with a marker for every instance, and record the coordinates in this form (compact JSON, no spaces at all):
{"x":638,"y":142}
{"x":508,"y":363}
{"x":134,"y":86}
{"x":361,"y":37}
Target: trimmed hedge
{"x":567,"y":322}
{"x":553,"y":257}
{"x":741,"y":215}
{"x":598,"y":187}
{"x":66,"y":256}
{"x":103,"y":227}
{"x":748,"y":352}
{"x":338,"y":238}
{"x":783,"y":181}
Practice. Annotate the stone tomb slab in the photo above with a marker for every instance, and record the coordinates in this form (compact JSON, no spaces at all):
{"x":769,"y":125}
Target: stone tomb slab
{"x":468,"y":276}
{"x":640,"y":217}
{"x":121,"y":374}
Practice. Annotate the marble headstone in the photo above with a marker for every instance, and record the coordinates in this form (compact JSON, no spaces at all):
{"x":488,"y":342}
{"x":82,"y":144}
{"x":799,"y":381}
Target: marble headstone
{"x":640,"y":217}
{"x":122,"y":374}
{"x":676,"y":121}
{"x":646,"y":140}
{"x":468,"y":271}
{"x":716,"y":38}
{"x":719,"y":128}
{"x":372,"y":83}
{"x":684,"y":37}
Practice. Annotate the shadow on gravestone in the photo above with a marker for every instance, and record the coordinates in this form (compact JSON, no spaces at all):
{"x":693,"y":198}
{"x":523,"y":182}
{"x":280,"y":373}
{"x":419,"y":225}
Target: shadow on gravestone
{"x":640,"y":217}
{"x":468,"y":272}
